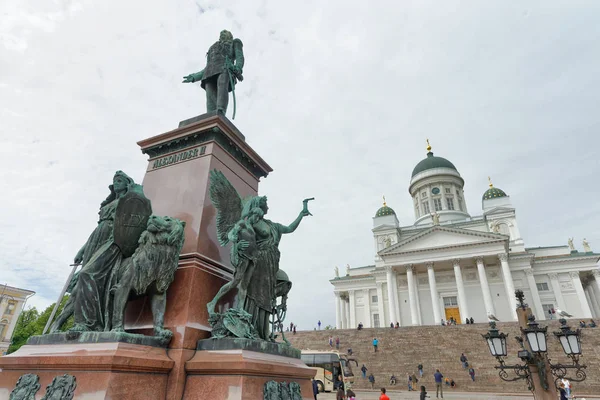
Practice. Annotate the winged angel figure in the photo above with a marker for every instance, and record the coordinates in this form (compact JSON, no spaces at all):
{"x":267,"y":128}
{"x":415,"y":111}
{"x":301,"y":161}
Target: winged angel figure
{"x":255,"y":258}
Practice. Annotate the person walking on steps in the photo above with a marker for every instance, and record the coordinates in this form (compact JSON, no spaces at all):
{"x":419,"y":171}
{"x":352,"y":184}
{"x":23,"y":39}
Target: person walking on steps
{"x":337,"y":343}
{"x":372,"y":380}
{"x":375,"y":344}
{"x":439,"y":389}
{"x":472,"y":374}
{"x":363,"y":369}
{"x":420,"y":369}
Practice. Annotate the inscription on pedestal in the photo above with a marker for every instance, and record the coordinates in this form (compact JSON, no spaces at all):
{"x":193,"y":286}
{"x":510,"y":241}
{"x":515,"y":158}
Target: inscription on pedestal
{"x":178,"y":157}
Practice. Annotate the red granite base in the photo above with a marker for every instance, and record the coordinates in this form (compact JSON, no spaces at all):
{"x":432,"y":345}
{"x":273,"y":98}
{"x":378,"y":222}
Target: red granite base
{"x":241,"y":375}
{"x":103,"y":370}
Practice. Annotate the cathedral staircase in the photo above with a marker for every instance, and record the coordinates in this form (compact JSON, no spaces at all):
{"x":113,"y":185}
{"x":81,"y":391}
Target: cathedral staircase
{"x":402,"y":349}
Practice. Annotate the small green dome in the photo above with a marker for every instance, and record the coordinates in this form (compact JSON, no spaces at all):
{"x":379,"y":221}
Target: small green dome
{"x":385,"y":210}
{"x":493,"y":193}
{"x":432,"y":162}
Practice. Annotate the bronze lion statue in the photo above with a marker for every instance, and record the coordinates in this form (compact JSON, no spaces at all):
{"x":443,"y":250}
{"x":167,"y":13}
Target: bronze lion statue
{"x":149,"y":271}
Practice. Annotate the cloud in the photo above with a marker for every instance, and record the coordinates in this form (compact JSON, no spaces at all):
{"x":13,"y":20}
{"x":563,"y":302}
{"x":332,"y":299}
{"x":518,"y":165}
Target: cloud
{"x":338,"y":97}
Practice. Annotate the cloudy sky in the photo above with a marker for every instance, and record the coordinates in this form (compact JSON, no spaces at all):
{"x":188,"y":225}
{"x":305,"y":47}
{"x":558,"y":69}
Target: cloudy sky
{"x":338,"y":98}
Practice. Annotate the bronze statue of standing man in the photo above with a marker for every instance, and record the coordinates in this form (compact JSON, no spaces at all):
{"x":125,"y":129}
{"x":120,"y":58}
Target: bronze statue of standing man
{"x":224,"y":64}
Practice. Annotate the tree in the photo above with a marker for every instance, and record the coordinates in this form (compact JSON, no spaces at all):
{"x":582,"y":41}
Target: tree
{"x":31,"y":323}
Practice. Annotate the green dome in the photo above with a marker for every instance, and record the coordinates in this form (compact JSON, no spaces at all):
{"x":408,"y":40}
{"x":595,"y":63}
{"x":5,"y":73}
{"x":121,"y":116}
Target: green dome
{"x":385,"y":210}
{"x":493,"y":193}
{"x":432,"y":162}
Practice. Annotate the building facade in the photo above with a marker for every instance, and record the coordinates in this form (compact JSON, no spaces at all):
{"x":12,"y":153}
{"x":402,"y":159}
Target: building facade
{"x":451,"y":264}
{"x":12,"y":301}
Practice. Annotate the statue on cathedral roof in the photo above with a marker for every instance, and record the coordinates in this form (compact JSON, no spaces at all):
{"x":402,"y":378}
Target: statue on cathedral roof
{"x":571,"y":245}
{"x":586,"y":246}
{"x":436,"y":218}
{"x":337,"y":272}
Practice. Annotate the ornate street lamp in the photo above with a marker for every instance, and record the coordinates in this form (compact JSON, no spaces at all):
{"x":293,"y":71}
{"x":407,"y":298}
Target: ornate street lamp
{"x":535,"y":354}
{"x":496,"y":341}
{"x":571,"y":343}
{"x":535,"y":335}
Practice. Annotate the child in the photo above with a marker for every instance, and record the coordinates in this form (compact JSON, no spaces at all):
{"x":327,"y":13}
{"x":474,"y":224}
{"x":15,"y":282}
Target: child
{"x":423,"y":393}
{"x":350,"y":394}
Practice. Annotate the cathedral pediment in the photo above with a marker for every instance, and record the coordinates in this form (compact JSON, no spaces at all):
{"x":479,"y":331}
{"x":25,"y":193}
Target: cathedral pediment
{"x":500,"y":210}
{"x":438,"y":237}
{"x":384,"y":227}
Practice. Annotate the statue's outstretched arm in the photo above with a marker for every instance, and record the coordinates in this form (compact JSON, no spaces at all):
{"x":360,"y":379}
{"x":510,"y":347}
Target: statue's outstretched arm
{"x":195,"y":77}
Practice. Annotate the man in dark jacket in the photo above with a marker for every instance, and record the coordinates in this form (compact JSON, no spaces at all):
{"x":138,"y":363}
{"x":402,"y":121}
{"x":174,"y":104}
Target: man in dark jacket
{"x":315,"y":386}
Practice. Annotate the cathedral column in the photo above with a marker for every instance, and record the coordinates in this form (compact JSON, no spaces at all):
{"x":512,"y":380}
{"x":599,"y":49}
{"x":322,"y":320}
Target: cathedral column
{"x":353,"y":323}
{"x":594,"y":297}
{"x":397,"y":300}
{"x":596,"y":274}
{"x":460,"y":287}
{"x":485,"y":287}
{"x":381,"y":305}
{"x":509,"y":284}
{"x":585,"y":307}
{"x":391,"y":283}
{"x":560,"y":300}
{"x":344,"y":312}
{"x":368,"y":323}
{"x":437,"y":316}
{"x":537,"y":302}
{"x":410,"y":278}
{"x":588,"y":297}
{"x":338,"y":311}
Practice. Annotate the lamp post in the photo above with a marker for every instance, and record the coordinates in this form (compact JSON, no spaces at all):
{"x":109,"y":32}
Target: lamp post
{"x":536,"y":367}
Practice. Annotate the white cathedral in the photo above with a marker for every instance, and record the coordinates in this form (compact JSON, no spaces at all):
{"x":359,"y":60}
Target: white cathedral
{"x":451,"y":264}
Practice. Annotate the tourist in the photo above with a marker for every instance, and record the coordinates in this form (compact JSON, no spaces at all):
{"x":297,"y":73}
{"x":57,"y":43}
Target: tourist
{"x":294,"y":330}
{"x":452,"y":383}
{"x":439,"y":390}
{"x":443,"y":323}
{"x":391,"y":324}
{"x":410,"y":382}
{"x":360,"y":326}
{"x":319,"y":323}
{"x":392,"y":380}
{"x":364,"y":370}
{"x":337,"y":343}
{"x":315,"y":387}
{"x":592,"y":324}
{"x":582,"y":324}
{"x":567,"y":385}
{"x":468,"y":322}
{"x":563,"y":392}
{"x":331,"y":341}
{"x":463,"y":360}
{"x":350,"y":394}
{"x":472,"y":320}
{"x":350,"y":351}
{"x":383,"y":395}
{"x":291,"y":326}
{"x":414,"y":380}
{"x":372,"y":380}
{"x":472,"y":374}
{"x":420,"y":369}
{"x":340,"y":394}
{"x":423,"y":393}
{"x":397,"y":325}
{"x":375,"y":343}
{"x":550,"y":313}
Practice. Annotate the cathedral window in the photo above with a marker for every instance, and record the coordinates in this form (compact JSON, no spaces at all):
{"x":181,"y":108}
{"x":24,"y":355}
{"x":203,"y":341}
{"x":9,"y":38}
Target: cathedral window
{"x":426,"y":208}
{"x":417,"y":210}
{"x":542,"y":286}
{"x":437,"y":203}
{"x":374,"y":299}
{"x":447,"y":190}
{"x":423,"y":194}
{"x":460,"y":206}
{"x":450,"y":202}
